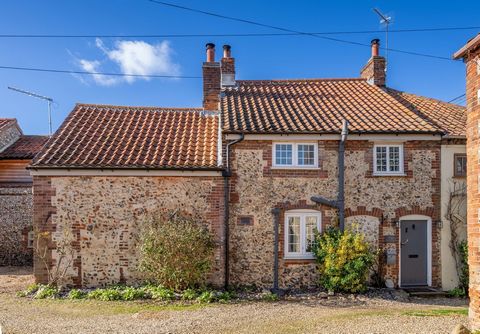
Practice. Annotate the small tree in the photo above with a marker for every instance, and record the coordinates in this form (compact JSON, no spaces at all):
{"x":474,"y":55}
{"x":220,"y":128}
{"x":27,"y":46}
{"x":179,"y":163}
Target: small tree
{"x":176,"y":251}
{"x":344,"y":260}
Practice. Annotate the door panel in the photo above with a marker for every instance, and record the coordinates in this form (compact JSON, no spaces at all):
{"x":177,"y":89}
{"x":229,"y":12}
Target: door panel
{"x":414,"y":252}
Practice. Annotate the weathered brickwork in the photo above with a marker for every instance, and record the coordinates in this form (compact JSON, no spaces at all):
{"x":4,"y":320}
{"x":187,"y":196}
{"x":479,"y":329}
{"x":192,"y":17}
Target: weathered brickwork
{"x":99,"y":218}
{"x":15,"y":221}
{"x":8,"y":136}
{"x":473,"y":184}
{"x":380,"y":202}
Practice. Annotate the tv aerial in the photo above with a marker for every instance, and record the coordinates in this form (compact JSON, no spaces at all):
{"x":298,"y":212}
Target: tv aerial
{"x":384,"y":20}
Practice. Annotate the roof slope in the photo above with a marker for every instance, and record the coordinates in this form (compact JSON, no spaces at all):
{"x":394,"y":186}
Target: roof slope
{"x":102,"y":136}
{"x":452,"y":118}
{"x":316,"y":106}
{"x":26,"y":147}
{"x":4,"y":122}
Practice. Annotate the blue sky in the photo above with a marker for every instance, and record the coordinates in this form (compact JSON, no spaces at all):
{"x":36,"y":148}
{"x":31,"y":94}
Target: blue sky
{"x":256,"y":57}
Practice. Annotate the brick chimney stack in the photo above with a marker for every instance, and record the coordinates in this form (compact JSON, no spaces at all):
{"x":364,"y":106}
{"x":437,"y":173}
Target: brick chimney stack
{"x":228,"y":67}
{"x":211,"y":80}
{"x":374,"y":70}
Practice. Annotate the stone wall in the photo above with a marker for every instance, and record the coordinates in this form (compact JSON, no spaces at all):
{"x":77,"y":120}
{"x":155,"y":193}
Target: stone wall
{"x":257,"y":188}
{"x":15,"y":222}
{"x":8,"y":136}
{"x":98,"y":220}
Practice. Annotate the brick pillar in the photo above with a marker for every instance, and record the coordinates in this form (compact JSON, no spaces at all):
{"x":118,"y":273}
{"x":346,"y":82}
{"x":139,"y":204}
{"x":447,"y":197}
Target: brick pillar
{"x":471,"y":55}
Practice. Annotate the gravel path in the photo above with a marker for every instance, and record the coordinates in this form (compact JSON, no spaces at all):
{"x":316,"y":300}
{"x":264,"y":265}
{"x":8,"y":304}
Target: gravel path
{"x":317,"y":315}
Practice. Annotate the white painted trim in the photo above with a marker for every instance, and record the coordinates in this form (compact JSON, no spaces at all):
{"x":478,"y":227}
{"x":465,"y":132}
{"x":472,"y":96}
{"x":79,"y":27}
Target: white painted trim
{"x":400,"y":156}
{"x":370,"y":137}
{"x":295,"y":164}
{"x":121,"y":172}
{"x":299,"y":213}
{"x":429,"y":246}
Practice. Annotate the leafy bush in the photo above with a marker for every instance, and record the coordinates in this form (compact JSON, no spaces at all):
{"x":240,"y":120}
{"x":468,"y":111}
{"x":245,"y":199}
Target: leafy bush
{"x":206,"y":297}
{"x":463,"y":277}
{"x":106,"y":294}
{"x":176,"y":252}
{"x":457,"y":292}
{"x":76,"y":294}
{"x":344,"y":260}
{"x":189,"y":294}
{"x":159,"y":292}
{"x":131,"y":293}
{"x":270,"y":297}
{"x":30,"y":290}
{"x":46,"y":291}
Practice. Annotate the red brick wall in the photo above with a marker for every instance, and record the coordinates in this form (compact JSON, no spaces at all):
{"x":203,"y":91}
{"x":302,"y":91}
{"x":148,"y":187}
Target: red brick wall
{"x":473,"y":186}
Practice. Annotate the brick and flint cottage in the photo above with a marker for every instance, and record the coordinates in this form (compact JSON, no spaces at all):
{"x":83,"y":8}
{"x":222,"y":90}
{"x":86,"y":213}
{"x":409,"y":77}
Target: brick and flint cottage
{"x":16,"y":199}
{"x":258,"y":162}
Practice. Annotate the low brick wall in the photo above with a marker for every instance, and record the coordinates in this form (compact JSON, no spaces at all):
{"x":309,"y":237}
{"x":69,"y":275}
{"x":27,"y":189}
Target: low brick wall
{"x":15,"y":221}
{"x":99,"y":219}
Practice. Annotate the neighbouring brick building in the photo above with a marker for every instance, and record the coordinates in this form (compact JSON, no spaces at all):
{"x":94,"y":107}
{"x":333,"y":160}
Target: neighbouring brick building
{"x":16,"y":199}
{"x":470,"y":53}
{"x":249,"y":163}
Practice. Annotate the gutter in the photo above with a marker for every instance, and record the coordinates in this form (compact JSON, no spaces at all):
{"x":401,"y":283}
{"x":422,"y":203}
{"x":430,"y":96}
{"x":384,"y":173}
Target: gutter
{"x":340,"y":202}
{"x":227,"y":173}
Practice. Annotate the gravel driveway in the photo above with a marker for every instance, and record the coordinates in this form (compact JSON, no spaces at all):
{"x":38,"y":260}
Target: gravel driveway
{"x":317,"y":315}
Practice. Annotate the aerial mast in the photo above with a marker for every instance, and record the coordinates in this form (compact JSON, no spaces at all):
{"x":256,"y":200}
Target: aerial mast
{"x":386,"y":20}
{"x":38,"y":96}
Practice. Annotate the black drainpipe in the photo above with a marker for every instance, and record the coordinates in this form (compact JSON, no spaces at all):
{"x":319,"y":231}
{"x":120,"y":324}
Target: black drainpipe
{"x":340,"y":202}
{"x":226,"y":193}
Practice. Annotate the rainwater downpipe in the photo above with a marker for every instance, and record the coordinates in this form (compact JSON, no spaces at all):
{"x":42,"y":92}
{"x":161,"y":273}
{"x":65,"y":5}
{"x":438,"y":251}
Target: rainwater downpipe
{"x":339,"y":204}
{"x":227,"y":173}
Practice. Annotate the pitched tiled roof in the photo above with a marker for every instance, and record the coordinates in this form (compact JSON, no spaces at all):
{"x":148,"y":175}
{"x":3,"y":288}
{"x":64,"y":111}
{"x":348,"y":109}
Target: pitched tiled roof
{"x":316,"y":106}
{"x":100,"y":136}
{"x":26,"y":147}
{"x":4,"y":122}
{"x":452,"y":118}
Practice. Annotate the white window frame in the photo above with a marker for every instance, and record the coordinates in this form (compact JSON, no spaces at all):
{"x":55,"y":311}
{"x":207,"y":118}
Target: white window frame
{"x":303,"y":254}
{"x":388,"y":172}
{"x":295,"y":164}
{"x":30,"y":239}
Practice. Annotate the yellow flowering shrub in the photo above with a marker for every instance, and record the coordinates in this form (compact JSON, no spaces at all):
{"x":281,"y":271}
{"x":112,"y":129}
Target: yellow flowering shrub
{"x":344,"y":260}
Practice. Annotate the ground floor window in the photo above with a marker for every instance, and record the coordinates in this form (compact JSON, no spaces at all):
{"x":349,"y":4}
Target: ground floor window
{"x":300,"y":227}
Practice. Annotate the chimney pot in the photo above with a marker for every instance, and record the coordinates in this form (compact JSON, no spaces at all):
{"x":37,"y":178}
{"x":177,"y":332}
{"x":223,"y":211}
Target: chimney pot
{"x":210,"y":52}
{"x":375,"y":47}
{"x":227,"y":51}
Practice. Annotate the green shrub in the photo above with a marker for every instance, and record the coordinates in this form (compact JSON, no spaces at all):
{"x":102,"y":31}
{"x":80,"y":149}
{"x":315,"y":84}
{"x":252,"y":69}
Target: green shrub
{"x":46,"y":291}
{"x":270,"y":297}
{"x":226,"y":296}
{"x":30,"y":290}
{"x":206,"y":297}
{"x":463,"y":276}
{"x":344,"y":260}
{"x":189,"y":294}
{"x":176,"y":252}
{"x":105,"y":294}
{"x":457,"y":292}
{"x":76,"y":294}
{"x":131,"y":293}
{"x":159,"y":292}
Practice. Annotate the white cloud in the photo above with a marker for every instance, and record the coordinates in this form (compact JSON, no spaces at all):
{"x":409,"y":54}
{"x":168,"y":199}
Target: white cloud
{"x":132,"y":57}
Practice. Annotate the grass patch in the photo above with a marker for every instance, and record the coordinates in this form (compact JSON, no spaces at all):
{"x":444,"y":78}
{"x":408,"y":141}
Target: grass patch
{"x":436,"y":312}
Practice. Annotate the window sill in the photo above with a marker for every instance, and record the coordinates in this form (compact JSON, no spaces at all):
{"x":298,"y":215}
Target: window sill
{"x":299,"y":258}
{"x":294,"y":168}
{"x":388,"y":174}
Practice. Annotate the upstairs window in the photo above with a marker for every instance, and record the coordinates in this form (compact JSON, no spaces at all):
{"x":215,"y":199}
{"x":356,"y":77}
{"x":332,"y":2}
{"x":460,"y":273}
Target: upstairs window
{"x":460,"y":165}
{"x":300,"y":228}
{"x":388,"y":160}
{"x":300,"y":155}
